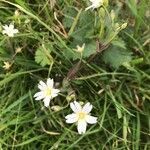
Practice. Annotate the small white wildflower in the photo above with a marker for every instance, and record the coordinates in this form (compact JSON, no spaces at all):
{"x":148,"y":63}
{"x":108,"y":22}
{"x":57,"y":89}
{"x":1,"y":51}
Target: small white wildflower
{"x":52,"y":3}
{"x":27,"y":21}
{"x":18,"y":50}
{"x":17,"y":13}
{"x":6,"y":65}
{"x":80,"y":49}
{"x":47,"y":92}
{"x":124,"y":25}
{"x":9,"y":30}
{"x":95,"y":4}
{"x":56,"y":108}
{"x":81,"y":116}
{"x":112,"y":14}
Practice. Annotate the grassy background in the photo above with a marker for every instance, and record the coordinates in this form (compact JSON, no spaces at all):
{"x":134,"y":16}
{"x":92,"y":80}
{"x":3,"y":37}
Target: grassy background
{"x":120,"y":96}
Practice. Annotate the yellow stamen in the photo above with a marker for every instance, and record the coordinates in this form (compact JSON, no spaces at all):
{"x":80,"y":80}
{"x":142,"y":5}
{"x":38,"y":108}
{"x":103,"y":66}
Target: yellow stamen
{"x":48,"y":92}
{"x":81,"y":115}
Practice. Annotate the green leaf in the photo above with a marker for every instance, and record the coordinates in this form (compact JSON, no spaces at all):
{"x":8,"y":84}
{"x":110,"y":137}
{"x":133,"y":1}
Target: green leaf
{"x":90,"y":48}
{"x":85,"y":27}
{"x":69,"y":13}
{"x":119,"y":43}
{"x":42,"y":55}
{"x":116,"y":56}
{"x":2,"y":51}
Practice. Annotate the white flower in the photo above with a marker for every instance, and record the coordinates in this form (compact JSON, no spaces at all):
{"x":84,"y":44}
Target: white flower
{"x":7,"y":65}
{"x":9,"y":30}
{"x":47,"y":92}
{"x":80,"y":49}
{"x":81,"y":116}
{"x":95,"y":4}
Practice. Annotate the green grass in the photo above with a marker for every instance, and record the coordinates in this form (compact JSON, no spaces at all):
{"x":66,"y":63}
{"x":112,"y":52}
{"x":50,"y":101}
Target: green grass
{"x":114,"y":79}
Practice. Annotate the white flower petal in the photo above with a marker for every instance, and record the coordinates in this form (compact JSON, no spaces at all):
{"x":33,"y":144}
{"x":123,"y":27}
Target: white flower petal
{"x":75,"y":106}
{"x":10,"y":34}
{"x":46,"y":101}
{"x":38,"y":94}
{"x":56,"y":91}
{"x":91,"y":6}
{"x":70,"y":121}
{"x":42,"y":84}
{"x":54,"y":95}
{"x":4,"y":32}
{"x":92,"y":1}
{"x":15,"y":31}
{"x":5,"y":27}
{"x":50,"y":83}
{"x":11,"y":27}
{"x":41,"y":87}
{"x":71,"y":118}
{"x":73,"y":115}
{"x":87,"y":107}
{"x":72,"y":106}
{"x":91,"y":119}
{"x":81,"y":127}
{"x":39,"y":97}
{"x":95,"y":4}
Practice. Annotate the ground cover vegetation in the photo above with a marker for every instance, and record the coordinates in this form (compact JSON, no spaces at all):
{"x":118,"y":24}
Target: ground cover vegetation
{"x":87,"y":61}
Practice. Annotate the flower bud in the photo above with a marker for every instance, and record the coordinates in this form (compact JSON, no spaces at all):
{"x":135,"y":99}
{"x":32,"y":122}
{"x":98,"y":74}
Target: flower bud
{"x":123,"y":26}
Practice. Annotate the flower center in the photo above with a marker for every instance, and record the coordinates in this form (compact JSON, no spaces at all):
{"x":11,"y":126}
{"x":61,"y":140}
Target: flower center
{"x":48,"y":91}
{"x":81,"y":115}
